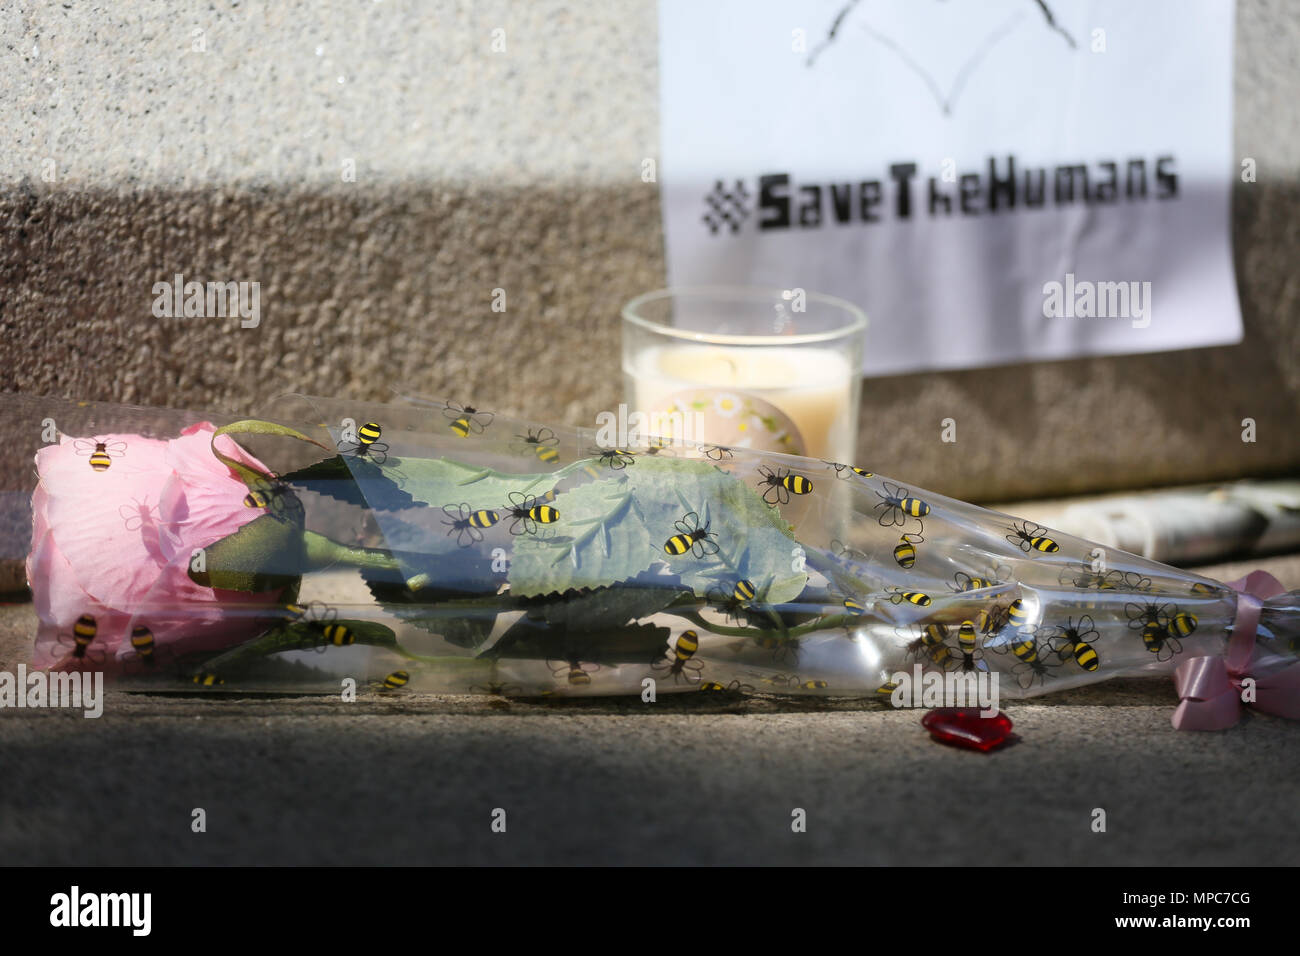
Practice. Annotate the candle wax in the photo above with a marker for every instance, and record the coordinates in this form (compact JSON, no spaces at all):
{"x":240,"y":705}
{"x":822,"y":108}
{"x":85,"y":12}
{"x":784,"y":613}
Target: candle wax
{"x":812,"y":387}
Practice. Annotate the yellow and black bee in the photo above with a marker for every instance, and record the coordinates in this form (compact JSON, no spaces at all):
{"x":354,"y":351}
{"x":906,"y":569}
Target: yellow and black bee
{"x":905,"y":550}
{"x":1033,"y":665}
{"x":780,"y":485}
{"x":1203,"y":589}
{"x":275,"y":497}
{"x":736,"y":604}
{"x":144,"y":645}
{"x":81,"y":643}
{"x":1182,"y":624}
{"x":396,"y":680}
{"x":1076,"y":642}
{"x":896,"y":506}
{"x":691,"y":537}
{"x":101,"y":453}
{"x":933,"y":642}
{"x":527,"y":514}
{"x":1157,"y":639}
{"x":843,"y":471}
{"x":992,"y":619}
{"x":1019,"y":612}
{"x":680,"y":662}
{"x":322,"y":623}
{"x":886,"y":690}
{"x":1161,"y":626}
{"x":466,"y":419}
{"x":1147,"y":612}
{"x":919,"y":598}
{"x":854,"y":607}
{"x":207,"y":679}
{"x":813,"y":684}
{"x":963,"y":582}
{"x":466,"y":523}
{"x":785,"y":650}
{"x":338,"y":635}
{"x":367,"y":444}
{"x":735,"y":687}
{"x":967,"y":635}
{"x":1031,"y":538}
{"x":575,"y":672}
{"x":614,"y":458}
{"x":540,"y":442}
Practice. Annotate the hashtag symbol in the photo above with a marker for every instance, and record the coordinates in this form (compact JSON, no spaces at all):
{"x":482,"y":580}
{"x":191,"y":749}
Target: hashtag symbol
{"x":726,"y":207}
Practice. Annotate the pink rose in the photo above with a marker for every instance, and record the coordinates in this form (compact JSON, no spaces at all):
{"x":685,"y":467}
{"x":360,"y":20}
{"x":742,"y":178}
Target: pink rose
{"x":114,"y":543}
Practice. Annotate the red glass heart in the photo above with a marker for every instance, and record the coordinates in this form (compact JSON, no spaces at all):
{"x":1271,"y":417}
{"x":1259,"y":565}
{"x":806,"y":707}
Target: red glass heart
{"x":964,"y":727}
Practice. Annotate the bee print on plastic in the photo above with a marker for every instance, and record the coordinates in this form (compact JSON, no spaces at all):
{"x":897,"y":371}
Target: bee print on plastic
{"x":785,"y":650}
{"x":1074,"y":641}
{"x":573,"y":672}
{"x":779,"y":485}
{"x":1161,"y":626}
{"x":466,"y":523}
{"x":466,"y":419}
{"x":321,"y":625}
{"x":394,"y":681}
{"x":900,"y":595}
{"x":693,"y":537}
{"x":896,"y":506}
{"x":80,"y":645}
{"x":1029,"y":537}
{"x":735,"y":602}
{"x":145,"y":651}
{"x":736,"y":687}
{"x":615,"y":459}
{"x":905,"y":551}
{"x":679,"y":661}
{"x":963,"y":582}
{"x":845,"y":472}
{"x":100,"y":453}
{"x":366,"y":444}
{"x":276,"y":498}
{"x":1033,"y":654}
{"x":526,"y":513}
{"x":540,"y":442}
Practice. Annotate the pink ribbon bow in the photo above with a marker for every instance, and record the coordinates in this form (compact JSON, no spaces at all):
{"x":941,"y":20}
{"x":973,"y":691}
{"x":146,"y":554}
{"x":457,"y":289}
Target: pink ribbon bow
{"x":1211,"y":687}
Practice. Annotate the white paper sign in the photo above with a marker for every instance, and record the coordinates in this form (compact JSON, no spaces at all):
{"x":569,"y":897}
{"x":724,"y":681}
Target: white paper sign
{"x":992,"y":181}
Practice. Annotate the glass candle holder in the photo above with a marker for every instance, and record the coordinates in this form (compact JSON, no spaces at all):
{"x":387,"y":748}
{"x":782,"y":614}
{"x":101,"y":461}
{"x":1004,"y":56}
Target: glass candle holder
{"x":771,"y":370}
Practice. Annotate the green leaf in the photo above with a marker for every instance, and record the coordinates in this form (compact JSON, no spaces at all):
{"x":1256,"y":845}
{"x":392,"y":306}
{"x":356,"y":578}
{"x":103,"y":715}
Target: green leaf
{"x":463,"y":622}
{"x":604,"y":607}
{"x":294,"y":636}
{"x":442,"y":481}
{"x":356,"y":480}
{"x":249,"y":475}
{"x":266,"y":554}
{"x":614,"y":529}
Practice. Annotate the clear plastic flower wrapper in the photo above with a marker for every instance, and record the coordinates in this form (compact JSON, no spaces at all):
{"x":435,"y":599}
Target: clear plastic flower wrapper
{"x":433,"y":546}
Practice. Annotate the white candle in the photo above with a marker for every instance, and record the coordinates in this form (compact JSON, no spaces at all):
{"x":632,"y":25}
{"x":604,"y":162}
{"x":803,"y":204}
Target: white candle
{"x":769,"y":397}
